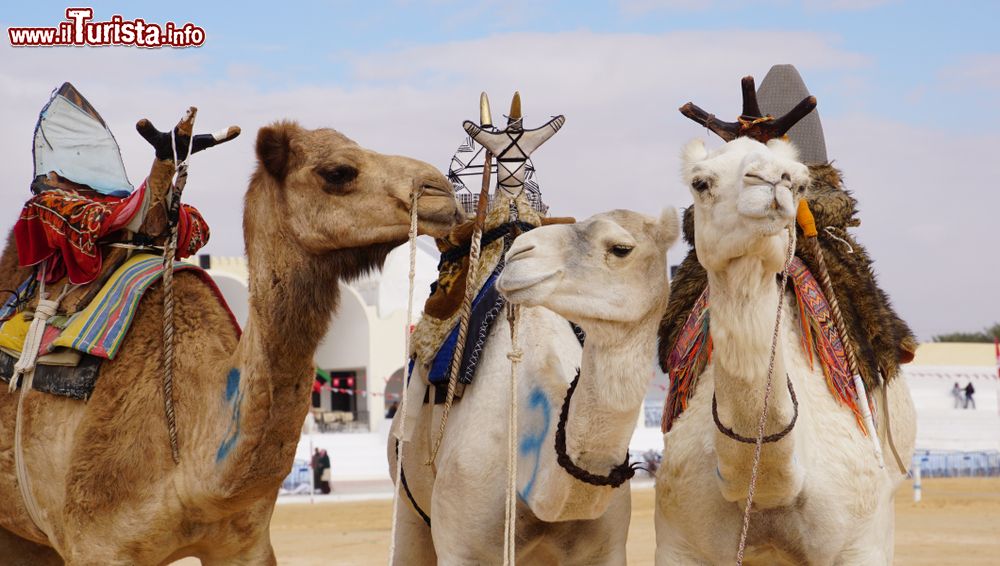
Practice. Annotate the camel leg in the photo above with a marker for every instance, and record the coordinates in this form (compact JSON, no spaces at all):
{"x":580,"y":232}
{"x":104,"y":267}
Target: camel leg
{"x":874,"y":543}
{"x":17,"y":551}
{"x":413,"y":538}
{"x":257,"y":553}
{"x":414,"y":544}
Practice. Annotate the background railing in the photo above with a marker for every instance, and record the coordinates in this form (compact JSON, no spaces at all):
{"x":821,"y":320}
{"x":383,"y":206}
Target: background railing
{"x":940,"y":464}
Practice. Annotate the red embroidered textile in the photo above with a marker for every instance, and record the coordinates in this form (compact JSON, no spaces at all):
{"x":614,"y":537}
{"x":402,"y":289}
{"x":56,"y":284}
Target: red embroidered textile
{"x":63,"y":227}
{"x":688,"y":358}
{"x":692,"y":350}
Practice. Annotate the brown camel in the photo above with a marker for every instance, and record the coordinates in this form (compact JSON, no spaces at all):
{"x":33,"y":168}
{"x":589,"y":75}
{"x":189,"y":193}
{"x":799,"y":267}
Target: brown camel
{"x":319,"y":209}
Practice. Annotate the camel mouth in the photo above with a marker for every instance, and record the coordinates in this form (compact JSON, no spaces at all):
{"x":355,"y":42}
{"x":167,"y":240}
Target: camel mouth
{"x":769,"y":223}
{"x":526,"y":288}
{"x":437,"y":217}
{"x":434,"y":228}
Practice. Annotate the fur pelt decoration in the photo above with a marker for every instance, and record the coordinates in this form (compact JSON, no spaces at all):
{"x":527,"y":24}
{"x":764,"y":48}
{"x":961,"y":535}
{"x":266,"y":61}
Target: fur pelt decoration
{"x":441,"y":310}
{"x":880,"y":337}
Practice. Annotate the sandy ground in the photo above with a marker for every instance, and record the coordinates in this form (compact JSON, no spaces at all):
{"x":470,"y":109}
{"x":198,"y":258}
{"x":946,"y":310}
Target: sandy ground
{"x":958,"y":522}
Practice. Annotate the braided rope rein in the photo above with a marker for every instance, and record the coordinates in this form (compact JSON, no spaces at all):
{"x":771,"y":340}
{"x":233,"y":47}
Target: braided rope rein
{"x":852,"y":360}
{"x":169,"y":251}
{"x":401,"y":410}
{"x":615,"y":478}
{"x":767,"y":394}
{"x":475,"y":247}
{"x":510,"y":516}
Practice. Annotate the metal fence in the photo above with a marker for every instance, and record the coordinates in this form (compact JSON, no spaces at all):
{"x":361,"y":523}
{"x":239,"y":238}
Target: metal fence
{"x":299,"y":480}
{"x":653,"y":413}
{"x":939,"y":464}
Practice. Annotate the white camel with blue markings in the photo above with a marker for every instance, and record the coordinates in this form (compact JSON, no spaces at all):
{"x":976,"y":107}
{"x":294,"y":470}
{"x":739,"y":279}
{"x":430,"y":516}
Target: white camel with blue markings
{"x":608,"y":274}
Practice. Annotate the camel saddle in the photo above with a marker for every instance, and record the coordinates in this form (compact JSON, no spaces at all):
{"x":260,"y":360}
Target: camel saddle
{"x":80,"y":336}
{"x":435,"y":339}
{"x":881,"y":339}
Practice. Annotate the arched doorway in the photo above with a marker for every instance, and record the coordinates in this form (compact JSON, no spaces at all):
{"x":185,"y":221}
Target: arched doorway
{"x":393,"y":389}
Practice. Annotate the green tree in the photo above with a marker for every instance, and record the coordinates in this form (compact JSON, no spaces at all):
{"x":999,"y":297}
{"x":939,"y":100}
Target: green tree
{"x":984,"y":335}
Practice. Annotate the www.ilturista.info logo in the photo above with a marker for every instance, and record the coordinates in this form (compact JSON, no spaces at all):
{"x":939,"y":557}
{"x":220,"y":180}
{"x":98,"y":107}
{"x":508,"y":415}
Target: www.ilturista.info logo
{"x":78,"y":29}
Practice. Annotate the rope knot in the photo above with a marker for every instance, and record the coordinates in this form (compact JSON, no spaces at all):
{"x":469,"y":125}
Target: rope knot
{"x":515,"y":356}
{"x":46,"y":309}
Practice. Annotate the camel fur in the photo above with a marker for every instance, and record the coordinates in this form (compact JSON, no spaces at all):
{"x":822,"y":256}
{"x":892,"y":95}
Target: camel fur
{"x":821,"y":497}
{"x":319,"y":209}
{"x":607,"y":274}
{"x":882,"y":339}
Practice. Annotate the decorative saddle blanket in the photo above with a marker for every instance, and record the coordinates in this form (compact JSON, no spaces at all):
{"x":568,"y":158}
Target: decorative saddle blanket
{"x":486,"y":306}
{"x":62,"y":227}
{"x":693,"y":349}
{"x":435,"y":339}
{"x":881,"y":338}
{"x":97,"y":331}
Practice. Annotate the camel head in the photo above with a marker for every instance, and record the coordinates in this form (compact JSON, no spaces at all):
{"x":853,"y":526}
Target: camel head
{"x":332,"y":194}
{"x":608,"y":269}
{"x":746,"y":195}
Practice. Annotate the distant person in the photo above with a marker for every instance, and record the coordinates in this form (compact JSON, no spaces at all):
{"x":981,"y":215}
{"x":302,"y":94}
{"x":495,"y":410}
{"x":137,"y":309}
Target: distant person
{"x":395,"y":407}
{"x":969,"y":399}
{"x":317,"y":472}
{"x":324,"y":476}
{"x":959,"y":394}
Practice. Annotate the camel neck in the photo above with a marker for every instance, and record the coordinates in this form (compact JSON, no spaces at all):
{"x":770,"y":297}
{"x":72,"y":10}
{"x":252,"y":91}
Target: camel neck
{"x":743,"y":306}
{"x":616,"y":369}
{"x":293,"y":294}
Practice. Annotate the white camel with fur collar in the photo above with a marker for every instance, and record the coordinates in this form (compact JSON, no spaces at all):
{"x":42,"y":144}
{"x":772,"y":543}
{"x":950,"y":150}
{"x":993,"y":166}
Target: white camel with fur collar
{"x":609,"y":275}
{"x":821,"y":497}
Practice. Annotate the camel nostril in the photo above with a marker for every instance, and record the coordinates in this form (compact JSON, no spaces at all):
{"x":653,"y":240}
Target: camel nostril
{"x":436,"y":188}
{"x":516,"y":252}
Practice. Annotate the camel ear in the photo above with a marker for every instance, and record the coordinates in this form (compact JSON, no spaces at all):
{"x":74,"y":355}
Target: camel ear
{"x":274,"y":148}
{"x":694,"y":152}
{"x":669,"y":226}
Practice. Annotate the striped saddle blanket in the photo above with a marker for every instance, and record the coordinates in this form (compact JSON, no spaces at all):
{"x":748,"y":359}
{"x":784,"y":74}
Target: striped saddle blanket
{"x":92,"y":334}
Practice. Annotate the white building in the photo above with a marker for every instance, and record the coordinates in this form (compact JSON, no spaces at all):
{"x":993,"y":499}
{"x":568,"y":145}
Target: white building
{"x":363,"y":351}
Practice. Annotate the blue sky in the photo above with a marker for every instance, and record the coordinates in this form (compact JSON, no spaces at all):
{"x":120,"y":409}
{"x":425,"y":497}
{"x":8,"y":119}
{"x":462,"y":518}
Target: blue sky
{"x":908,"y":46}
{"x":907,"y":94}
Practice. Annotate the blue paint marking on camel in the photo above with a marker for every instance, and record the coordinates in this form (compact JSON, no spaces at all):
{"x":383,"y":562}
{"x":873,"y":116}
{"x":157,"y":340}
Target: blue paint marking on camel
{"x":233,"y":396}
{"x":232,"y":383}
{"x":532,"y":444}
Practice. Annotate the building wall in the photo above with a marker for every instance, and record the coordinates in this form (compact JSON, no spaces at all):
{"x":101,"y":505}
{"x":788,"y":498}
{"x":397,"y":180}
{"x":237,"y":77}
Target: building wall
{"x":358,"y":339}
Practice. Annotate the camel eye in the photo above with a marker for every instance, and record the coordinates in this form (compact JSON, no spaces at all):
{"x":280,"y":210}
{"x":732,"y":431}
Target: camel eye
{"x":337,"y":176}
{"x":621,"y":250}
{"x":700,"y":185}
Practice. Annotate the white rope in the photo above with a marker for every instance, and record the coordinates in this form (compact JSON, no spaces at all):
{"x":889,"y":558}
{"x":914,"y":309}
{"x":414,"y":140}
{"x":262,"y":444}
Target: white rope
{"x":21,"y":466}
{"x":861,"y":395}
{"x":24,"y":372}
{"x":401,"y":410}
{"x":767,"y":394}
{"x":830,"y":232}
{"x":510,"y":514}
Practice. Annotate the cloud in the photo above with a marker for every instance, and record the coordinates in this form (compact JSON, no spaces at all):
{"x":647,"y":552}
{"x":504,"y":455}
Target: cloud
{"x":618,"y":149}
{"x":928,"y":217}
